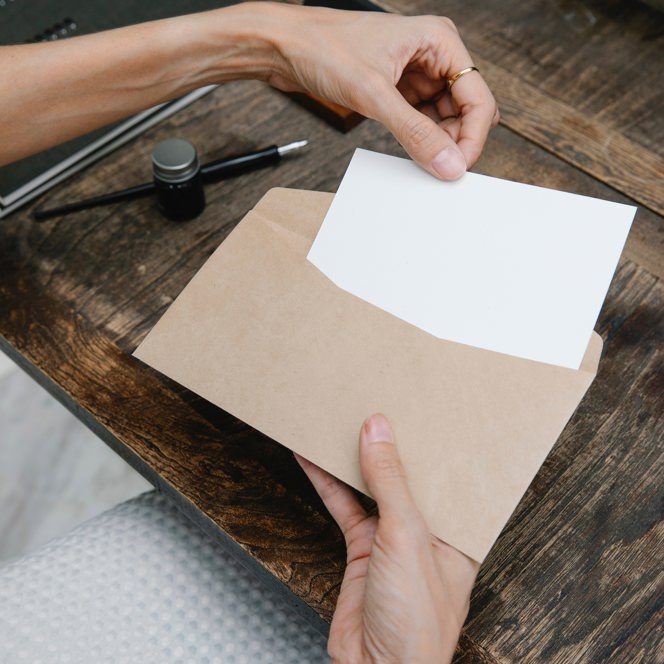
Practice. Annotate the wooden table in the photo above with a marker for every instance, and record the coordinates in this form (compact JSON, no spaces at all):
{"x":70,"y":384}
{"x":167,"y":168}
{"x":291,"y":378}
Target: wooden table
{"x":576,"y":575}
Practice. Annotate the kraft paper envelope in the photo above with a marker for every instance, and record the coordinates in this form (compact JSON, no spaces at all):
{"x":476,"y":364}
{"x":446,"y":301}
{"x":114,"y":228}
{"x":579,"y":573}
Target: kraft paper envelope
{"x":265,"y":335}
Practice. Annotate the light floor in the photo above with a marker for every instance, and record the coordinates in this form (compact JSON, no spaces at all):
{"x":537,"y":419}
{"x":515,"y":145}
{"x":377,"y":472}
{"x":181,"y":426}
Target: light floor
{"x":54,"y":473}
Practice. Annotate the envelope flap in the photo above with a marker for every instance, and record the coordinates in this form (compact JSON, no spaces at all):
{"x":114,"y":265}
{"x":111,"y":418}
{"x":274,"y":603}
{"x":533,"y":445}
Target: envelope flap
{"x":295,"y":210}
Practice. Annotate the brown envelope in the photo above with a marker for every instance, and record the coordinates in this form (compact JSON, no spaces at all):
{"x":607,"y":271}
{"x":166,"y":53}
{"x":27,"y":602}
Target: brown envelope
{"x":266,"y":336}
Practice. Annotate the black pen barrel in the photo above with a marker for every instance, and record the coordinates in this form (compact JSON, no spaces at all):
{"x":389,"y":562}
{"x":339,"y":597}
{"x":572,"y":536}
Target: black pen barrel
{"x":225,"y":168}
{"x":106,"y":199}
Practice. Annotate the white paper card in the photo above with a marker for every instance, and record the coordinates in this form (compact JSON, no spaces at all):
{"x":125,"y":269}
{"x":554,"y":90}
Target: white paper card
{"x":495,"y":264}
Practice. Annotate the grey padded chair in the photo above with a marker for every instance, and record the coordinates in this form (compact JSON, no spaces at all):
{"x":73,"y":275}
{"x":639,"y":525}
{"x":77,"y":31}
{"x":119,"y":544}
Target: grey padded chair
{"x":140,"y":583}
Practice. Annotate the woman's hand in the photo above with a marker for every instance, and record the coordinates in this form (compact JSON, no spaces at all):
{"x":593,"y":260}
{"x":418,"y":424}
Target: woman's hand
{"x":405,"y":594}
{"x":393,"y":69}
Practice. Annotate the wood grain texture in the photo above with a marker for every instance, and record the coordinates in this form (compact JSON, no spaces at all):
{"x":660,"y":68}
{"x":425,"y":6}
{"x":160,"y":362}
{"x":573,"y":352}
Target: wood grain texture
{"x":580,"y":79}
{"x":576,"y":575}
{"x":583,"y":141}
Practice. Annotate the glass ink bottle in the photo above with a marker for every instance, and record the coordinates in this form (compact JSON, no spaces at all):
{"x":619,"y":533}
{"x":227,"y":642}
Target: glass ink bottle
{"x":177,"y":179}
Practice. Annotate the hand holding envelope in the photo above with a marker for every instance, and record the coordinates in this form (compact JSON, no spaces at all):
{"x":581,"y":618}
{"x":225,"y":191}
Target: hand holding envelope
{"x":304,"y":357}
{"x":405,"y":593}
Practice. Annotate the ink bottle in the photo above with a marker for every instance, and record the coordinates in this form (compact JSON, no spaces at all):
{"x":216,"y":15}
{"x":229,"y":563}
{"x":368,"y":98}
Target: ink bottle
{"x":177,"y":179}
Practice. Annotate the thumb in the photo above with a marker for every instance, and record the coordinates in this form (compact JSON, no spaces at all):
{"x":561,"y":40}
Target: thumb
{"x":427,"y":143}
{"x":383,"y":471}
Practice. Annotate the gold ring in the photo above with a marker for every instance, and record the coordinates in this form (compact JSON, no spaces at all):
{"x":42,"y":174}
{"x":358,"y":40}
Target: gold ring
{"x":453,"y":79}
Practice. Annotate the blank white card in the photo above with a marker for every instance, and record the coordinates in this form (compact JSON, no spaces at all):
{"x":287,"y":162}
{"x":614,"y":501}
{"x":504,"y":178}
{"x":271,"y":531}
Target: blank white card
{"x":499,"y":265}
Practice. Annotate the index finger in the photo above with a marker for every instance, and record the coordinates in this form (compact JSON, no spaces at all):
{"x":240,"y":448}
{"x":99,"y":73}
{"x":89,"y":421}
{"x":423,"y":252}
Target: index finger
{"x":338,"y":498}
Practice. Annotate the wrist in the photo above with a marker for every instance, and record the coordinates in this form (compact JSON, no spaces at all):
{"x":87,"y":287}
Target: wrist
{"x":243,"y":41}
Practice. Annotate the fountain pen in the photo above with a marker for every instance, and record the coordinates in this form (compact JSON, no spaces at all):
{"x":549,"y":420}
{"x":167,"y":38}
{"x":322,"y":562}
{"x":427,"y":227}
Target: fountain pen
{"x":211,"y":172}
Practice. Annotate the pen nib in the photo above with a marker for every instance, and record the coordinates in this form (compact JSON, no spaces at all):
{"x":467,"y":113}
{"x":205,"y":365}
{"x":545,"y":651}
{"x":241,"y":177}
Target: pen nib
{"x":283,"y":149}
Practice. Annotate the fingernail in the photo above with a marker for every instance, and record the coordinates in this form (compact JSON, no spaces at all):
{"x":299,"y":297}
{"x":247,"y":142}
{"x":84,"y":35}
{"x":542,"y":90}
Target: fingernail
{"x":449,"y":163}
{"x":378,"y":430}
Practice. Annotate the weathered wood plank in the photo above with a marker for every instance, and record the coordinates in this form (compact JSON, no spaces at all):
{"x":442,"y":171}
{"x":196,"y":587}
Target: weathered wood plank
{"x":582,"y":80}
{"x":583,"y":141}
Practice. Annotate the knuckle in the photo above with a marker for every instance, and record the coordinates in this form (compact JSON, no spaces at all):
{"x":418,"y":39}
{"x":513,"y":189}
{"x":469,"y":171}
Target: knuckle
{"x":388,"y":466}
{"x":416,"y":130}
{"x":449,"y":24}
{"x":330,"y":487}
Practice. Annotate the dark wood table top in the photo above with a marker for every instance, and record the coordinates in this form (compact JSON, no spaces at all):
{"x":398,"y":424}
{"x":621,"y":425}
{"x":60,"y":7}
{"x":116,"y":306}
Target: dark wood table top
{"x":576,"y":576}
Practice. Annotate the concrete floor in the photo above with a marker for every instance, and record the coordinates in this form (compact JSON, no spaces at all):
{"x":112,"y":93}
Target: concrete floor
{"x":54,"y":473}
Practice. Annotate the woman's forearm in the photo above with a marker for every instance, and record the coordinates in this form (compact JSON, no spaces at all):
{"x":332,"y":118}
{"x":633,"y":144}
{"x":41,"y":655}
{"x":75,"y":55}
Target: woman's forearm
{"x":52,"y":92}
